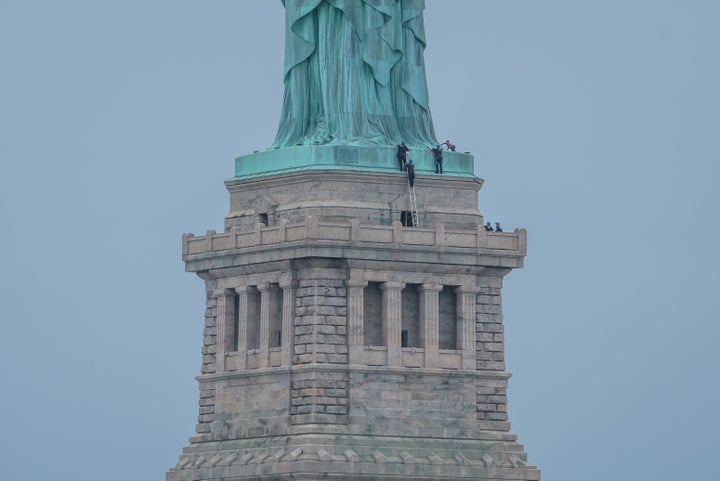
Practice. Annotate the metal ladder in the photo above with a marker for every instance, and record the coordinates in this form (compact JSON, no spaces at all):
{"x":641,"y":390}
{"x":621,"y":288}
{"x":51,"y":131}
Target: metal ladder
{"x":413,"y":206}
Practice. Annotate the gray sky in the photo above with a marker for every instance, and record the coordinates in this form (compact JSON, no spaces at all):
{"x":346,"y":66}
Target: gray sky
{"x":594,"y":124}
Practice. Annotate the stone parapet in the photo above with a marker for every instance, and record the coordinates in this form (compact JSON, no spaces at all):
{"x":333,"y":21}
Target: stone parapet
{"x":489,"y":249}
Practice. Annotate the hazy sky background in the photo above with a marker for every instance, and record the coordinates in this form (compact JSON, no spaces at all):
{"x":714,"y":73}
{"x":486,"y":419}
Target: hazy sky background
{"x":595,"y":124}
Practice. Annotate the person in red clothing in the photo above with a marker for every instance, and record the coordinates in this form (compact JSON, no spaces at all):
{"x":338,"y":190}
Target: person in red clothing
{"x":449,"y":145}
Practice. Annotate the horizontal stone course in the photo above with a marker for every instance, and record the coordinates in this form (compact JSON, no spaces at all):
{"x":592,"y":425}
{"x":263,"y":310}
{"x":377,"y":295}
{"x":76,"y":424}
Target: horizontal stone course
{"x":490,"y":308}
{"x":493,"y":346}
{"x":301,"y":330}
{"x":308,"y":358}
{"x":490,"y":327}
{"x":323,"y":329}
{"x":484,"y":355}
{"x":489,"y":300}
{"x":488,"y":318}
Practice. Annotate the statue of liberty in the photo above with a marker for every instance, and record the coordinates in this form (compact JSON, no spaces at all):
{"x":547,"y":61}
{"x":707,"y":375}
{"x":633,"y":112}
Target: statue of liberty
{"x":355,"y":74}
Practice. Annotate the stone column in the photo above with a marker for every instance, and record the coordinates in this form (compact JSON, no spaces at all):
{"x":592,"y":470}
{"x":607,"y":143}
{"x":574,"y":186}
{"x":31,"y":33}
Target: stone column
{"x":466,"y":306}
{"x":242,"y":293}
{"x":356,"y":341}
{"x":288,"y":315}
{"x":264,"y":289}
{"x":392,"y":321}
{"x":225,"y":321}
{"x":430,"y":323}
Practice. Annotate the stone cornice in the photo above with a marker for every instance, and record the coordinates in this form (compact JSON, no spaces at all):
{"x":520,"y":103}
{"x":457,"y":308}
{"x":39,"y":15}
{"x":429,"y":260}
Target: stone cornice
{"x":352,"y":368}
{"x":315,"y":238}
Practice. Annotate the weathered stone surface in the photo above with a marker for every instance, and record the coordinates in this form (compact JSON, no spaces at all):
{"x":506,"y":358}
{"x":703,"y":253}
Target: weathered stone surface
{"x":298,"y":381}
{"x":368,"y":197}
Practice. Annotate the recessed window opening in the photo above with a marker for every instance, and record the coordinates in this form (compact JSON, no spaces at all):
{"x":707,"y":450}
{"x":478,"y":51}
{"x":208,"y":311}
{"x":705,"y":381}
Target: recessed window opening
{"x":372,"y":314}
{"x":275,"y":298}
{"x":406,"y":218}
{"x":448,"y":318}
{"x":253,"y":318}
{"x":411,"y":315}
{"x":232,"y":326}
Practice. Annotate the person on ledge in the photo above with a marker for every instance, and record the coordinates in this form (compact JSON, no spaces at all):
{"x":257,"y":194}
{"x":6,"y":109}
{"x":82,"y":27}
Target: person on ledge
{"x":410,"y":167}
{"x":497,"y":227}
{"x":354,"y":74}
{"x":488,"y":227}
{"x":438,"y":154}
{"x":402,"y":153}
{"x":450,"y":146}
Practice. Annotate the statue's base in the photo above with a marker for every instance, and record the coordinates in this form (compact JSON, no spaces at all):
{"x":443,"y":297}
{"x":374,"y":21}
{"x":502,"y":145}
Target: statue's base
{"x":346,"y":157}
{"x":354,"y":458}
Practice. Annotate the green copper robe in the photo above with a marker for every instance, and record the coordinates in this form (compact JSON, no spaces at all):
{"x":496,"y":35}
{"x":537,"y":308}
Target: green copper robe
{"x":355,"y":74}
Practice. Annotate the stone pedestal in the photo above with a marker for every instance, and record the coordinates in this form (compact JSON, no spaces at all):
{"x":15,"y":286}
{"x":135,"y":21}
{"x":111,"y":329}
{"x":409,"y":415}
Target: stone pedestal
{"x":341,"y":345}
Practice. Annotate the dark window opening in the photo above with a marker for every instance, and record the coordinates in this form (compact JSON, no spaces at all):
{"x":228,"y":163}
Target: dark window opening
{"x":448,"y":318}
{"x":253,"y":318}
{"x":410,"y":315}
{"x":406,"y":218}
{"x":275,"y":298}
{"x":372,"y":314}
{"x":231,"y":330}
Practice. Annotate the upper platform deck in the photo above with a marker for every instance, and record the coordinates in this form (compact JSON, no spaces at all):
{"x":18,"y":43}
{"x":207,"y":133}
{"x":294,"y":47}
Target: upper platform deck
{"x":348,"y":158}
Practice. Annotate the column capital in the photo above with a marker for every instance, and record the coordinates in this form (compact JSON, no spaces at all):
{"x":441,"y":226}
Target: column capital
{"x":431,"y":287}
{"x":223,"y":292}
{"x":263,"y":287}
{"x":361,"y":284}
{"x":241,"y":290}
{"x":466,"y":290}
{"x":392,"y":285}
{"x":286,"y":285}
